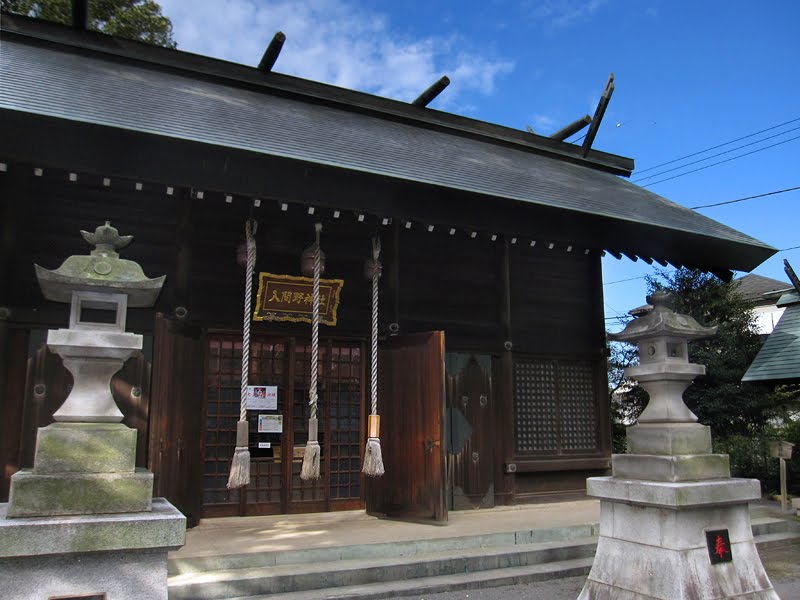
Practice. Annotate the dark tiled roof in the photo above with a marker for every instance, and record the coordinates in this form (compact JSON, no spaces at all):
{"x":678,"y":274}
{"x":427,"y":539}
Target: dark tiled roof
{"x":779,"y":357}
{"x":761,"y":290}
{"x":126,"y":94}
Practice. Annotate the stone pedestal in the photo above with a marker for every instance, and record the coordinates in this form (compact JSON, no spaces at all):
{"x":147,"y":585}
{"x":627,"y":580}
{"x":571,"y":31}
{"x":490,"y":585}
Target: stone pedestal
{"x":653,"y":544}
{"x":121,"y":555}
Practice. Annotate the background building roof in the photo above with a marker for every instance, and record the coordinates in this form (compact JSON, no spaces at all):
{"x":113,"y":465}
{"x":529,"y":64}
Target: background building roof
{"x":779,"y":357}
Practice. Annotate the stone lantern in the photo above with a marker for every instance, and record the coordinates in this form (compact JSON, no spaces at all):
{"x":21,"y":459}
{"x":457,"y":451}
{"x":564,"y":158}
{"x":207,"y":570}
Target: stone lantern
{"x":85,"y":461}
{"x":667,"y":444}
{"x":673,"y":524}
{"x":87,"y":508}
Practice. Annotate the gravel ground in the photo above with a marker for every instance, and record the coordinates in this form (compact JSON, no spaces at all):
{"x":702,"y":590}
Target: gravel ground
{"x":782,"y":565}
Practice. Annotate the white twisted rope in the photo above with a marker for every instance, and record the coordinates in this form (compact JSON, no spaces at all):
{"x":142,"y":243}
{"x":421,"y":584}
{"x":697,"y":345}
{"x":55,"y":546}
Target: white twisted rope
{"x":373,"y":456}
{"x":312,"y":392}
{"x":240,"y":464}
{"x":250,"y":232}
{"x":376,"y":250}
{"x":310,"y":470}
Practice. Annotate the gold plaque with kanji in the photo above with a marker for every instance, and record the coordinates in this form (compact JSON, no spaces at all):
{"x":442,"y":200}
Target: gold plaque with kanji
{"x":289,"y":298}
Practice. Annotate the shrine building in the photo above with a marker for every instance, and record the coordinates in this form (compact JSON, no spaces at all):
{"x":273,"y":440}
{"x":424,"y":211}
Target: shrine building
{"x":492,"y":370}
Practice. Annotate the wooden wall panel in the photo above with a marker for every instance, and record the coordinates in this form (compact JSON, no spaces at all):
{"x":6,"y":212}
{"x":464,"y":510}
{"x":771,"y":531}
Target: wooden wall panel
{"x":14,"y":354}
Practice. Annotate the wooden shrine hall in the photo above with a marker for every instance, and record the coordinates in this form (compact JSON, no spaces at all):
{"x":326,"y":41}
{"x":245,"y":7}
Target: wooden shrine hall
{"x":492,"y":371}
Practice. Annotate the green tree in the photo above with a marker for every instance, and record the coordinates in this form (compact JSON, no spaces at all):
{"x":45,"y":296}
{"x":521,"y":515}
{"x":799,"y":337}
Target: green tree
{"x":132,"y":19}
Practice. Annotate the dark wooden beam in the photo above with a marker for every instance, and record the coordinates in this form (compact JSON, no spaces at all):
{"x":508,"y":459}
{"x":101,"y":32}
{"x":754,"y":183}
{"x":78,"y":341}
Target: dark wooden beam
{"x":647,"y":259}
{"x":598,"y":115}
{"x":80,"y":14}
{"x":183,"y":257}
{"x":428,"y":95}
{"x":505,"y":295}
{"x":394,"y":275}
{"x":661,"y":261}
{"x":631,"y":256}
{"x":791,"y":275}
{"x":571,"y":129}
{"x":272,"y":52}
{"x":614,"y":253}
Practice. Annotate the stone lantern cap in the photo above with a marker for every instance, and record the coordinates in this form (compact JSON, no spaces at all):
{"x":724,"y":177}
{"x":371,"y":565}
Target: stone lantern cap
{"x":102,"y":270}
{"x":662,"y":321}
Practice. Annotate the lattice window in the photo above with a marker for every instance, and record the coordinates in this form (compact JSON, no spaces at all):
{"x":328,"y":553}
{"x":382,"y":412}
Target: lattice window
{"x":344,"y":398}
{"x":578,"y":406}
{"x":223,"y":389}
{"x":535,"y":398}
{"x":267,"y":361}
{"x":555,"y":404}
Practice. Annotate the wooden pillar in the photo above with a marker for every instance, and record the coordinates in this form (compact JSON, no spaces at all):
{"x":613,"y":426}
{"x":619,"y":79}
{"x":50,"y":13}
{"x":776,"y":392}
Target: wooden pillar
{"x":393,"y":284}
{"x":8,"y":242}
{"x":183,"y":255}
{"x":13,"y":342}
{"x":504,"y":482}
{"x":601,"y":367}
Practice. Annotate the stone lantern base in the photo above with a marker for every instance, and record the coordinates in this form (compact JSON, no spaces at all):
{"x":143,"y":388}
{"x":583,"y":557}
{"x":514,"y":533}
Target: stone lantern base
{"x":81,"y":468}
{"x":120,"y":556}
{"x":653,"y":542}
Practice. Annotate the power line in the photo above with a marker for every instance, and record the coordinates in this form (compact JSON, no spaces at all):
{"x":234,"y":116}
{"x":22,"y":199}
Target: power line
{"x":722,"y":161}
{"x":694,"y":162}
{"x":791,"y":189}
{"x":575,"y":141}
{"x":787,"y":249}
{"x":669,"y":162}
{"x":621,"y":280}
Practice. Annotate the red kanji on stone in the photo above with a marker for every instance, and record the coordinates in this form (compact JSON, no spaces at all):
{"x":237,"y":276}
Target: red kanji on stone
{"x":721,"y":549}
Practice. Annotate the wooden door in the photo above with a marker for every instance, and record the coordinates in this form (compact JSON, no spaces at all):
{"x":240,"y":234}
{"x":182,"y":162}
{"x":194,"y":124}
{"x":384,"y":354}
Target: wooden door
{"x":176,"y":414}
{"x":411,"y":405}
{"x":470,"y":430}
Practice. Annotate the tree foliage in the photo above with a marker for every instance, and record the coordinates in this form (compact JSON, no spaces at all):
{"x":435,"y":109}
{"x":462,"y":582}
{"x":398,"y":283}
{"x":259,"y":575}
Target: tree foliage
{"x":132,"y":19}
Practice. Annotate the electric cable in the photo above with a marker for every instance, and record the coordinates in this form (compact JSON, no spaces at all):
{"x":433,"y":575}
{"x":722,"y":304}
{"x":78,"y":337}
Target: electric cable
{"x":722,"y":161}
{"x":694,"y":162}
{"x":791,"y":189}
{"x":669,"y":162}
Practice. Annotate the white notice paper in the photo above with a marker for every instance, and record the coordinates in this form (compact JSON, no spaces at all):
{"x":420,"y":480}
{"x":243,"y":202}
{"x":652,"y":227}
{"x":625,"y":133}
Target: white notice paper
{"x":262,"y":397}
{"x":270,"y":423}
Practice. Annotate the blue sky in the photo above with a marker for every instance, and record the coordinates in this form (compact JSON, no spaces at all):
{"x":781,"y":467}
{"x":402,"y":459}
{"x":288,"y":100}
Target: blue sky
{"x":689,"y":75}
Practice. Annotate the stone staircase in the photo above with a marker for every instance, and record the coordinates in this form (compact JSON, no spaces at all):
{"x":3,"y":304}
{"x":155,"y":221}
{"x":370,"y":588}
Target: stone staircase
{"x":387,"y":570}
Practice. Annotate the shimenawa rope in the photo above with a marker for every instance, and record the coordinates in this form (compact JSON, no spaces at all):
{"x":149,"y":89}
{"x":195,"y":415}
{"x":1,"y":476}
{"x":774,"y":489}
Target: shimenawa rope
{"x":373,"y":459}
{"x":311,"y":456}
{"x":240,"y":465}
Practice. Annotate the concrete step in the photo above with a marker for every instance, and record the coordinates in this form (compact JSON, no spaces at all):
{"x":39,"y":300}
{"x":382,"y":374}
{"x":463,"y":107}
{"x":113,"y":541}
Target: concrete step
{"x":765,"y":525}
{"x":408,"y":568}
{"x":250,"y":560}
{"x":303,"y":577}
{"x":442,"y":583}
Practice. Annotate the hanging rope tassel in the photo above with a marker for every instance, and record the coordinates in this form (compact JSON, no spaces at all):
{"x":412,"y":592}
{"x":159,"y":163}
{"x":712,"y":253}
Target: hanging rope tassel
{"x":240,"y":466}
{"x":373,"y":459}
{"x":311,"y":456}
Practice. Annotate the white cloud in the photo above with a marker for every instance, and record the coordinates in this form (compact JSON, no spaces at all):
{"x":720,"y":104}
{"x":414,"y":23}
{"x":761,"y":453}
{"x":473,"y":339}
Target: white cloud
{"x":562,"y":13}
{"x":334,"y":42}
{"x":544,"y":124}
